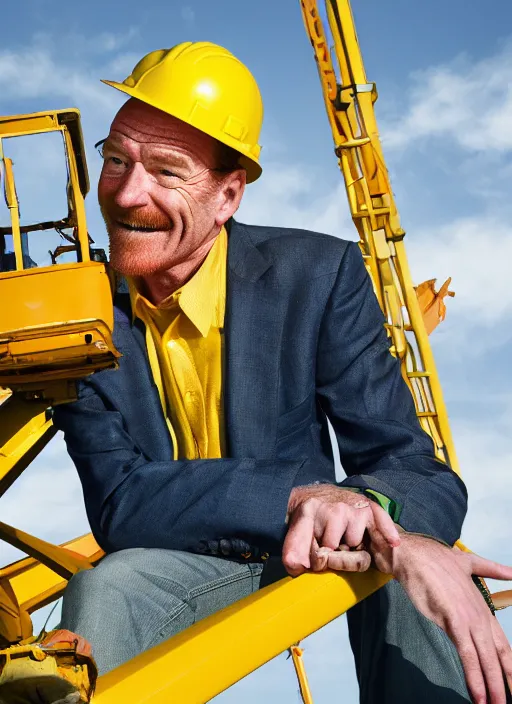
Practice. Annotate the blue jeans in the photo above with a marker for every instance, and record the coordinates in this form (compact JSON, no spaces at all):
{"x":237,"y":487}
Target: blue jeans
{"x":137,"y":598}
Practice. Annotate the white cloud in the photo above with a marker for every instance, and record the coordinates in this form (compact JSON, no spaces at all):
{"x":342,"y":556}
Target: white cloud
{"x":469,"y":103}
{"x":291,"y":195}
{"x":485,"y":456}
{"x":188,"y":15}
{"x":476,"y":252}
{"x":35,"y":74}
{"x":37,"y":71}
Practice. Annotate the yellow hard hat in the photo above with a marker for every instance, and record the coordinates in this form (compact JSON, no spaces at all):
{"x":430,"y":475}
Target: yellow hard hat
{"x":207,"y":87}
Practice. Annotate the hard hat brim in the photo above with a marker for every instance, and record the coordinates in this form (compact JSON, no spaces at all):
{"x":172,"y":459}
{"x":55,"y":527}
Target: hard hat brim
{"x":252,"y":168}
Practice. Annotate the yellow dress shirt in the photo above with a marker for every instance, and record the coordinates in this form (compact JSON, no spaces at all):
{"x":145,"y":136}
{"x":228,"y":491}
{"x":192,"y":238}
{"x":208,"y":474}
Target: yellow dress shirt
{"x":185,"y":341}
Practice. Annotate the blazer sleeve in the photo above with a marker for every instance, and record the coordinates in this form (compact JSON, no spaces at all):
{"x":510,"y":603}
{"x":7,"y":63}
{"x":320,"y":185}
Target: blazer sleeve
{"x":132,"y":501}
{"x":382,"y":445}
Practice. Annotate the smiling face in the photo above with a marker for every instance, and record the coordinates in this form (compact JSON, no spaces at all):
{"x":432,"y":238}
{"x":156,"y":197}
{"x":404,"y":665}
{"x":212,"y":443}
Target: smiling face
{"x":162,"y":191}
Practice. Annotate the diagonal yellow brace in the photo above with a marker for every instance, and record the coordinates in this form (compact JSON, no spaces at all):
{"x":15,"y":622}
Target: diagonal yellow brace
{"x":62,"y":561}
{"x":210,"y":656}
{"x":25,"y":429}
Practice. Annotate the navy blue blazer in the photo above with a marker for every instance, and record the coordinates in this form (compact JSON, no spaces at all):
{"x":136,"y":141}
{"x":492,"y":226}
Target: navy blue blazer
{"x":305,"y":342}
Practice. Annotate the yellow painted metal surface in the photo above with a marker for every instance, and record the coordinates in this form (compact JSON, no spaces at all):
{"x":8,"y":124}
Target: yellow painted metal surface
{"x":11,"y":200}
{"x":60,"y":560}
{"x":298,"y":662}
{"x":204,"y":660}
{"x":36,"y":585}
{"x":51,"y":121}
{"x":57,"y":323}
{"x":349,"y":100}
{"x":57,"y":326}
{"x":25,"y":428}
{"x":49,"y":295}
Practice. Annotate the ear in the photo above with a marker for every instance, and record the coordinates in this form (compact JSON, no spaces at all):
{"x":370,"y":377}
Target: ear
{"x":230,"y":194}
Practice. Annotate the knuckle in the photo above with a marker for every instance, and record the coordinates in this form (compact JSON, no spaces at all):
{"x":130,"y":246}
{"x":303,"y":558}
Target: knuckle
{"x":290,"y":560}
{"x":310,"y":505}
{"x":479,"y":695}
{"x":503,"y":648}
{"x":467,"y":653}
{"x":330,"y":541}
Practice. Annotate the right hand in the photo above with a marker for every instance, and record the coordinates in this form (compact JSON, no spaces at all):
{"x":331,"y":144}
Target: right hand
{"x":324,"y":518}
{"x":438,"y":580}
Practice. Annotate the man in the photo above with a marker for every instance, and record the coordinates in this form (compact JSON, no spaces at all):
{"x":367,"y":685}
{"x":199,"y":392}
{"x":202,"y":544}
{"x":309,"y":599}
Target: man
{"x":207,"y":454}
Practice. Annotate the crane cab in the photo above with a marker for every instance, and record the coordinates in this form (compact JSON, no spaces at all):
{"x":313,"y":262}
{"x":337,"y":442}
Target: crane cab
{"x":56,"y":320}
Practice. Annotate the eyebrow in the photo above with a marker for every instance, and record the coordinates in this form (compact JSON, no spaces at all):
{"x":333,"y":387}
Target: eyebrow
{"x":162,"y":152}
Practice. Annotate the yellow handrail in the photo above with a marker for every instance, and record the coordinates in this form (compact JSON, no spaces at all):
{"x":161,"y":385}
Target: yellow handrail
{"x":210,"y":656}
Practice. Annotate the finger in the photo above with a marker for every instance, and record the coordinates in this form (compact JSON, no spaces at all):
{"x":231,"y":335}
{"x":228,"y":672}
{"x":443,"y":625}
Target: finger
{"x":349,"y":561}
{"x":487,"y":568}
{"x":359,"y":521}
{"x":335,"y":527}
{"x":297,"y":544}
{"x":320,"y":559}
{"x":383,"y":523}
{"x":471,"y":665}
{"x":504,"y":650}
{"x":489,"y":662}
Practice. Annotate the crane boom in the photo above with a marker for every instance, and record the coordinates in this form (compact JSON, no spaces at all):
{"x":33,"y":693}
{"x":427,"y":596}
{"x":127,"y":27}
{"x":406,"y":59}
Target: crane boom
{"x":349,"y":100}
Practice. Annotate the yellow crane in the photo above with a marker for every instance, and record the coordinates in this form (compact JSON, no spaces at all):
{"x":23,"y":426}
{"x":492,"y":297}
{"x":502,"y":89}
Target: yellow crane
{"x":49,"y":340}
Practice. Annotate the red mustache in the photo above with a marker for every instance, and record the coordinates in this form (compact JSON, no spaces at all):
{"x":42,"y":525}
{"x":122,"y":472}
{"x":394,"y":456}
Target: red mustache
{"x":137,"y":218}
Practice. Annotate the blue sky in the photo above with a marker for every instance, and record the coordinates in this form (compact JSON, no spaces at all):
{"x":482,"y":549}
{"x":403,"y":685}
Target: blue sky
{"x":445,"y":112}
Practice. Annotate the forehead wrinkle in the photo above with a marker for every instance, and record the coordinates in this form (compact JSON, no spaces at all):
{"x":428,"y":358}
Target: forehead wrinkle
{"x":148,"y":129}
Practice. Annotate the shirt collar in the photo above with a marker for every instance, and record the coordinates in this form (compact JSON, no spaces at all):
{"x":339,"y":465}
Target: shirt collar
{"x":202,"y":298}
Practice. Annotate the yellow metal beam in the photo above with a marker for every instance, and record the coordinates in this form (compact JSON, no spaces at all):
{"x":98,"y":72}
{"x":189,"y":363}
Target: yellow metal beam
{"x":35,"y":585}
{"x":305,"y":691}
{"x":209,"y":657}
{"x":25,"y":428}
{"x":62,"y":561}
{"x":12,"y":203}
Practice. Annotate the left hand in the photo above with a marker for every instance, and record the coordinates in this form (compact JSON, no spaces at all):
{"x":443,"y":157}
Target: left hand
{"x":323,"y":516}
{"x":438,"y":581}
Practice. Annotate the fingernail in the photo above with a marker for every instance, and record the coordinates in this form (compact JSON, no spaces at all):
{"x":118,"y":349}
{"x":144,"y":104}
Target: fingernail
{"x":323,"y":552}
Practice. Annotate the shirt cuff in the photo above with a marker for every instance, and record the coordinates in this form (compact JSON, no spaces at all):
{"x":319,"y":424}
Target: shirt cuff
{"x":390,"y":507}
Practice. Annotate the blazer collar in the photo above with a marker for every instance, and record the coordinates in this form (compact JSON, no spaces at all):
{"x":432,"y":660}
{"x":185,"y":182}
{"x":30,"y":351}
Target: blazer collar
{"x":244,"y":258}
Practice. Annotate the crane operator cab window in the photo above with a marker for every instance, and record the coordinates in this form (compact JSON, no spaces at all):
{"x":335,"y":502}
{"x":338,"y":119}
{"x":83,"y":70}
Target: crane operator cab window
{"x":39,"y":173}
{"x":7,"y":256}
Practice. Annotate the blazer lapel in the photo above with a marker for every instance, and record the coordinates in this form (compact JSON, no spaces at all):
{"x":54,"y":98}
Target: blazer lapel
{"x":131,"y":388}
{"x":253,"y":330}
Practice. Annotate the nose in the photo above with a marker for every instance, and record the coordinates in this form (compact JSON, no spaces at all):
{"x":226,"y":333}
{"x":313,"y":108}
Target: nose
{"x":133,"y":191}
